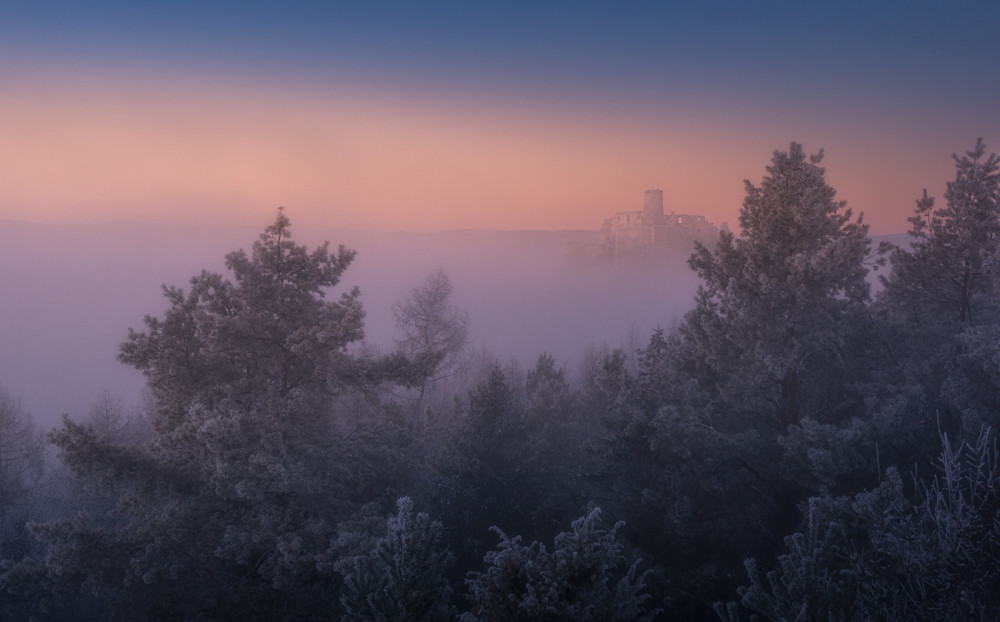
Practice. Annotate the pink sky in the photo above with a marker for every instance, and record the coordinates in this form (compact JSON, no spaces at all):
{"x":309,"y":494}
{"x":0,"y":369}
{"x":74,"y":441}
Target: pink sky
{"x":179,"y":148}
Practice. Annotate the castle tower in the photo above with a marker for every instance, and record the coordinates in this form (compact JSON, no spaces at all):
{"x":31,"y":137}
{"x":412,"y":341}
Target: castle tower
{"x":652,"y":207}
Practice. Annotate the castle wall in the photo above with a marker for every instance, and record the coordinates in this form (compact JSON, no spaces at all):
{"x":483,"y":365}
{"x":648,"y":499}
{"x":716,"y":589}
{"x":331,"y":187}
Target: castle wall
{"x":651,"y":232}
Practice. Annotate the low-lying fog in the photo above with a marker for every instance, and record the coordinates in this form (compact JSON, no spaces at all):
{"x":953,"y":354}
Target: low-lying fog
{"x":70,"y":293}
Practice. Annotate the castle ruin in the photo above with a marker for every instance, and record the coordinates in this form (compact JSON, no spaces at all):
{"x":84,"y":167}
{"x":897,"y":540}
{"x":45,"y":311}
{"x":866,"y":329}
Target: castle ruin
{"x":651,"y":232}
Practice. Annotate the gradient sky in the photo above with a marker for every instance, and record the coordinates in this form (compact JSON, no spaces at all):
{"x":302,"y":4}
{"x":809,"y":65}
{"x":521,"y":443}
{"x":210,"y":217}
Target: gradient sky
{"x":426,"y":116}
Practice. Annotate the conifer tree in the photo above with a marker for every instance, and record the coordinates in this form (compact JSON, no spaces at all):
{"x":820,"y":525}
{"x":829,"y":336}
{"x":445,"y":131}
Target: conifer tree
{"x":939,"y":311}
{"x":403,"y":578}
{"x":773,"y":315}
{"x":484,"y":475}
{"x":559,"y":438}
{"x":23,"y":475}
{"x":950,"y":269}
{"x":588,"y":576}
{"x":768,"y":356}
{"x":926,"y":551}
{"x":260,"y":447}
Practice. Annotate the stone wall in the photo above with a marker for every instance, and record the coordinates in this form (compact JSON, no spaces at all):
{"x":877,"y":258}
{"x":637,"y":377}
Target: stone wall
{"x":651,"y":232}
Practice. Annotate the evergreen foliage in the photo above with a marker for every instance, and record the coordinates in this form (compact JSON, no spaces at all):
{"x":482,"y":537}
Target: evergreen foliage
{"x":487,"y":473}
{"x":950,"y":267}
{"x":255,"y":455}
{"x":587,"y":577}
{"x":887,"y":555}
{"x":772,"y":317}
{"x":938,"y":314}
{"x":731,"y":424}
{"x":559,"y":436}
{"x":24,"y":482}
{"x":402,"y":579}
{"x":763,"y":443}
{"x":22,"y":473}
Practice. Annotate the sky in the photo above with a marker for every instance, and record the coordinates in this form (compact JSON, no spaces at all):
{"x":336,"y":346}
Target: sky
{"x":430,"y":116}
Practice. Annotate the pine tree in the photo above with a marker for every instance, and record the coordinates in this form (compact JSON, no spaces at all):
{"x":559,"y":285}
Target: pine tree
{"x":588,"y":576}
{"x":950,"y":269}
{"x":939,"y":311}
{"x":776,"y":306}
{"x":261,"y":445}
{"x":23,"y":475}
{"x":403,"y":578}
{"x":927,"y":551}
{"x":763,"y":371}
{"x":486,"y":474}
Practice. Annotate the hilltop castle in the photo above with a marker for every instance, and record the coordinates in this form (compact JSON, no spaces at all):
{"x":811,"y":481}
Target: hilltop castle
{"x":649,"y":233}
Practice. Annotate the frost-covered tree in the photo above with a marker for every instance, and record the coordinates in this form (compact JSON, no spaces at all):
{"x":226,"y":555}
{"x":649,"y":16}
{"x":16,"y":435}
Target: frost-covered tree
{"x":776,"y":342}
{"x":550,"y":401}
{"x":22,"y":475}
{"x":111,"y":421}
{"x":706,"y":445}
{"x":262,"y":442}
{"x":885,"y":554}
{"x":607,"y":384}
{"x":559,"y":437}
{"x":588,"y":576}
{"x":25,"y":489}
{"x":777,"y":305}
{"x":940,"y":558}
{"x":813,"y":580}
{"x":403,"y":578}
{"x":433,"y":327}
{"x":487,"y":472}
{"x":939,"y":309}
{"x":267,"y":334}
{"x":950,"y":270}
{"x":971,"y":389}
{"x":692,"y":504}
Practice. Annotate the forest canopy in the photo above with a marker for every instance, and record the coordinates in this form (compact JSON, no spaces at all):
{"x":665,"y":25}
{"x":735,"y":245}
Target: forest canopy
{"x":797,"y":448}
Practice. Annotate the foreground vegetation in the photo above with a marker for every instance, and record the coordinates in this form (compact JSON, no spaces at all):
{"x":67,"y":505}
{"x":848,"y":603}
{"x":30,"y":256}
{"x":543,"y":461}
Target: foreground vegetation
{"x":796,"y":450}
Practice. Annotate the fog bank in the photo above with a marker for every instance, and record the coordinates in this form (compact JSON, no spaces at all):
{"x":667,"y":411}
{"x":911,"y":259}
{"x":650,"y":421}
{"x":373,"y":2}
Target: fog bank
{"x":72,"y":292}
